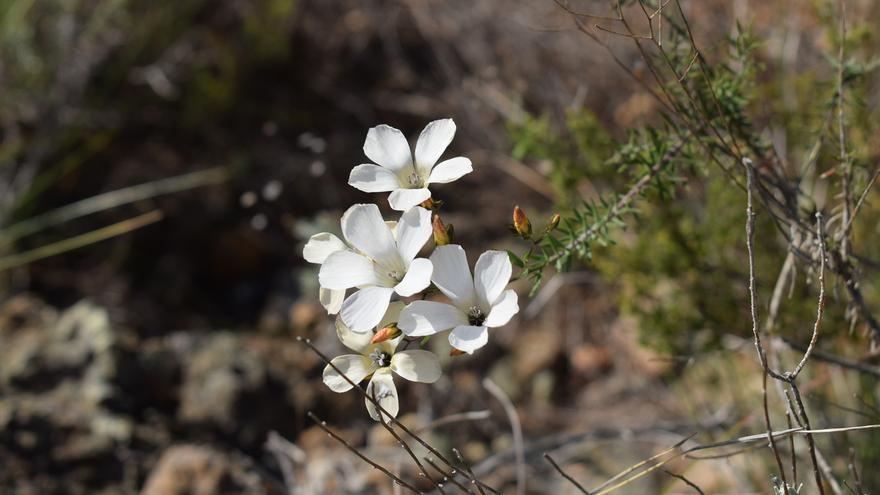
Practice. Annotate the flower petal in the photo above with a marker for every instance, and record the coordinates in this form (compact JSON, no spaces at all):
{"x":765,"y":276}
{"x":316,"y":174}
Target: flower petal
{"x":468,"y":338}
{"x":452,"y":275}
{"x":416,"y":366}
{"x":450,"y":170}
{"x":417,"y":278}
{"x":355,"y":367}
{"x":491,"y":275}
{"x":413,"y":231}
{"x":365,"y":229}
{"x":331,"y":299}
{"x":356,"y":341}
{"x":432,"y":143}
{"x":505,"y":307}
{"x":345,"y":269}
{"x":364,"y":309}
{"x":387,"y":146}
{"x":382,"y":389}
{"x":373,"y":178}
{"x":392,"y":314}
{"x":392,"y":226}
{"x":422,"y":318}
{"x":322,"y":245}
{"x":404,"y":199}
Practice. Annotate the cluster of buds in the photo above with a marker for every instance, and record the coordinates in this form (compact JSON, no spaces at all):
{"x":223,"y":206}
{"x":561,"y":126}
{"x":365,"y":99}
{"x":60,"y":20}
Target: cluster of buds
{"x":522,"y":227}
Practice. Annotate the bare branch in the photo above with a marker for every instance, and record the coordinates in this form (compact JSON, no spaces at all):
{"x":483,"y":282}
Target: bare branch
{"x":565,"y":475}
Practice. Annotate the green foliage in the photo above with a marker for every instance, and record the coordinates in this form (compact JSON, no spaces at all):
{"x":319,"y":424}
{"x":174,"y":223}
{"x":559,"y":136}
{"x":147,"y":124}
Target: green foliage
{"x":679,"y":189}
{"x":577,"y":151}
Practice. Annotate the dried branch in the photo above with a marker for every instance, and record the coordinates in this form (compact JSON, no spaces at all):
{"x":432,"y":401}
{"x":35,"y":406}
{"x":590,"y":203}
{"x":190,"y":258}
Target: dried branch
{"x":323,"y":425}
{"x":750,"y":246}
{"x":687,"y":481}
{"x":565,"y":475}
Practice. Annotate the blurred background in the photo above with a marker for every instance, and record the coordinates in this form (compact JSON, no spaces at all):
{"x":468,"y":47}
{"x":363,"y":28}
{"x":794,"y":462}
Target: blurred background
{"x":147,"y":335}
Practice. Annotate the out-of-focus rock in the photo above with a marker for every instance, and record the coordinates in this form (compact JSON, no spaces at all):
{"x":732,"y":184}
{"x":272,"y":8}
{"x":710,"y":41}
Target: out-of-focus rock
{"x":590,"y":359}
{"x":536,"y":350}
{"x":304,"y":314}
{"x":59,"y":397}
{"x":195,"y":470}
{"x":229,"y":385}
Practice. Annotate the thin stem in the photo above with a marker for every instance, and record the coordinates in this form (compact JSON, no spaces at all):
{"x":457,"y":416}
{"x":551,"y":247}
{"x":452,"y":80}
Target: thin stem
{"x":323,"y":425}
{"x":447,"y":476}
{"x":810,"y":443}
{"x":80,"y":241}
{"x":750,"y":241}
{"x":820,"y":306}
{"x":687,"y":481}
{"x":841,"y":132}
{"x":405,"y":446}
{"x":510,"y":411}
{"x":469,"y":471}
{"x":565,"y":475}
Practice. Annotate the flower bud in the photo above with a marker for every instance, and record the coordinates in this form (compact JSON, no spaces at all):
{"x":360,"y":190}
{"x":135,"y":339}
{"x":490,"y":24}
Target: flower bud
{"x":431,"y":204}
{"x":456,"y":352}
{"x":554,"y":222}
{"x":442,"y":234}
{"x":386,"y":333}
{"x":521,"y":223}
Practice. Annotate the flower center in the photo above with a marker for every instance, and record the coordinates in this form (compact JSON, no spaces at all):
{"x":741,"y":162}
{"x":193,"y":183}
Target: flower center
{"x":414,"y":179}
{"x":382,"y":359}
{"x":475,"y":316}
{"x":394,"y":274}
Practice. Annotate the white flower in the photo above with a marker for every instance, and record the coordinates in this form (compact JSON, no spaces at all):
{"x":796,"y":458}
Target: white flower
{"x":319,"y":247}
{"x":395,"y":171}
{"x":379,"y":360}
{"x":478,"y":303}
{"x":379,"y":264}
{"x":316,"y":251}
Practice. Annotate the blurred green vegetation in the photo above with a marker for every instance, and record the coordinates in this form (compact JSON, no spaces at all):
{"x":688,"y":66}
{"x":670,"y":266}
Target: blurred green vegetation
{"x":679,"y":257}
{"x":78,"y":76}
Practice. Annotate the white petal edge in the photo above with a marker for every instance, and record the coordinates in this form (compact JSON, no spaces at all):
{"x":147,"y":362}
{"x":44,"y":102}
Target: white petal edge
{"x":491,"y":275}
{"x":381,"y":387}
{"x":356,"y":341}
{"x":503,"y":310}
{"x":364,"y":309}
{"x":364,"y":228}
{"x":331,"y":300}
{"x":433,"y":141}
{"x":450,"y":170}
{"x":416,"y":366}
{"x":404,"y":199}
{"x":387,"y":147}
{"x":345,"y":269}
{"x":468,"y":338}
{"x":413,"y":231}
{"x":392,"y":314}
{"x":373,"y":178}
{"x":452,"y":275}
{"x":417,"y":278}
{"x":422,"y":318}
{"x":355,"y":367}
{"x":322,"y":245}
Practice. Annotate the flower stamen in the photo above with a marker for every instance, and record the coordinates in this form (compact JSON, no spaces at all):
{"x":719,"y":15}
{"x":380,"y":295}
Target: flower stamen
{"x":475,"y":316}
{"x":382,"y":359}
{"x":414,"y":179}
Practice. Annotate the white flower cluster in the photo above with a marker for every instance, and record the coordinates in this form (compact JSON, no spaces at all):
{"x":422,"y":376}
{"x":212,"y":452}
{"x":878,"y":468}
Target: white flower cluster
{"x":378,"y":261}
